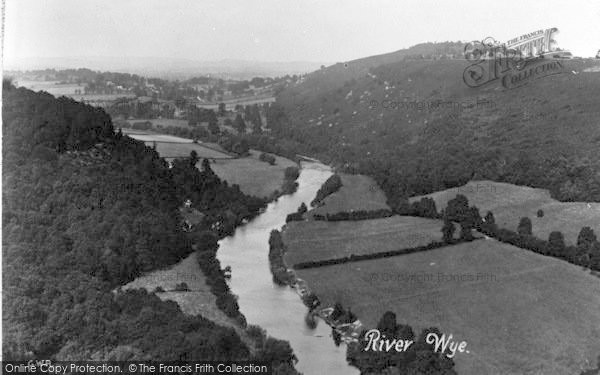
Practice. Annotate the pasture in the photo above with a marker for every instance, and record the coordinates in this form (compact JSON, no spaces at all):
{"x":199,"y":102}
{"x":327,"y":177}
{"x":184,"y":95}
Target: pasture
{"x":164,"y":122}
{"x":169,"y":146}
{"x":318,"y":240}
{"x":519,"y":312}
{"x":57,"y":89}
{"x":198,"y":300}
{"x":254,"y":177}
{"x":510,"y":203}
{"x":358,"y":192}
{"x":52,"y":87}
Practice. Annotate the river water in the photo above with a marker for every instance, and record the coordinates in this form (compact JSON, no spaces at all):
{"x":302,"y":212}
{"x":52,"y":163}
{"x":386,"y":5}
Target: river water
{"x":279,"y":309}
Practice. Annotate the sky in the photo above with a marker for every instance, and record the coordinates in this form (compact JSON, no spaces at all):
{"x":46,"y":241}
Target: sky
{"x":280,"y":30}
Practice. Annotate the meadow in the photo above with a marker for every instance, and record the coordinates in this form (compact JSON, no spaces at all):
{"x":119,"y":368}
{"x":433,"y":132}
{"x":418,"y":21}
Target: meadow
{"x":509,"y":203}
{"x":169,"y":146}
{"x":163,"y":122}
{"x":254,"y":177}
{"x":198,"y":300}
{"x":318,"y":240}
{"x":519,"y":312}
{"x":69,"y":89}
{"x":358,"y":192}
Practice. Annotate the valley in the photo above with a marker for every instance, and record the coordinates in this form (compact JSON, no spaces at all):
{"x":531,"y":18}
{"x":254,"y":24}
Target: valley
{"x":214,"y":240}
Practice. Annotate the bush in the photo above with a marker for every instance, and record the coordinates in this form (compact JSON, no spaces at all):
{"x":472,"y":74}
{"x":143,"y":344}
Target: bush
{"x":540,"y":213}
{"x":182,"y":287}
{"x":296,"y":216}
{"x":354,"y":215}
{"x":159,"y":289}
{"x":267,"y":158}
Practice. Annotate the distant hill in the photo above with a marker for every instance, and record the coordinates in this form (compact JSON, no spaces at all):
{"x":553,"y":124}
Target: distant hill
{"x":332,"y":76}
{"x":545,"y":134}
{"x":170,"y":68}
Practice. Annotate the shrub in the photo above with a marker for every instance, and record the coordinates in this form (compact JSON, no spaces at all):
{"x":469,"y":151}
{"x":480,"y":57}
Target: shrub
{"x":182,"y":287}
{"x":267,"y":158}
{"x":540,"y":213}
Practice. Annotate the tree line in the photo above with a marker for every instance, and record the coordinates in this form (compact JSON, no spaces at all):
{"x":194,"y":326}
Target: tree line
{"x":585,"y":253}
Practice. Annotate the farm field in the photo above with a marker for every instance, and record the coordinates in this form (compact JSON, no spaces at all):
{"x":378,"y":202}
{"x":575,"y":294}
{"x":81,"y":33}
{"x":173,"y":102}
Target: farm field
{"x":169,"y":146}
{"x":198,"y":300}
{"x":510,"y":203}
{"x":519,"y":312}
{"x":358,"y":192}
{"x":152,"y":137}
{"x":52,"y":87}
{"x":254,"y":177}
{"x":319,"y":240}
{"x":69,"y":89}
{"x":163,"y":122}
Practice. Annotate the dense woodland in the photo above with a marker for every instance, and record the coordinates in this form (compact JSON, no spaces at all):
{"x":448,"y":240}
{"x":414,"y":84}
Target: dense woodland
{"x":87,"y":210}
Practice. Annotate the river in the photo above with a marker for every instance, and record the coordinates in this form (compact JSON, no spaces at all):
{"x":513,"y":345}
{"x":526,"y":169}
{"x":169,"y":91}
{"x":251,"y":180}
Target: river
{"x":279,"y":310}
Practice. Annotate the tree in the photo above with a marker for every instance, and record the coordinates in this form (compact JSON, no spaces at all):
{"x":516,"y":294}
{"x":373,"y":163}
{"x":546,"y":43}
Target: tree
{"x":448,"y":231}
{"x":586,"y":237}
{"x":466,"y":228}
{"x":239,"y":124}
{"x":556,"y":243}
{"x":489,"y":224}
{"x":206,"y":166}
{"x":489,"y":218}
{"x":337,"y":312}
{"x":524,"y":228}
{"x":222,"y":109}
{"x":302,"y":209}
{"x":194,"y":158}
{"x":475,"y":216}
{"x":426,"y":208}
{"x":388,"y":325}
{"x":213,"y":126}
{"x":458,"y":208}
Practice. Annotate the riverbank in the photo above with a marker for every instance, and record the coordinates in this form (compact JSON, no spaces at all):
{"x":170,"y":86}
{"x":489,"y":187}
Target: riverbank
{"x":278,"y":309}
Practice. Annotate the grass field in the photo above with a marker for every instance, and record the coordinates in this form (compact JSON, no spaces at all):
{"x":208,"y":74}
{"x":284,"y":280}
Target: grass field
{"x":358,"y":192}
{"x":163,"y":122}
{"x":52,"y":87}
{"x":177,"y":150}
{"x":318,"y":240}
{"x":68,"y":89}
{"x":255,"y":177}
{"x":176,"y":147}
{"x":520,"y":312}
{"x":198,"y":300}
{"x":511,"y":202}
